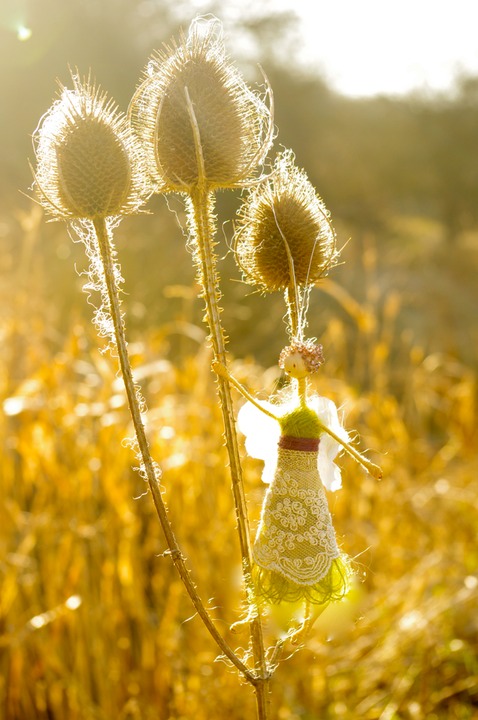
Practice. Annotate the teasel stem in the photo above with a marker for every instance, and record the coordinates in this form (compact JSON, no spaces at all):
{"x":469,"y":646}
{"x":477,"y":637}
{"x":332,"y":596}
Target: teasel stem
{"x":150,"y":469}
{"x":201,"y":219}
{"x":292,"y":301}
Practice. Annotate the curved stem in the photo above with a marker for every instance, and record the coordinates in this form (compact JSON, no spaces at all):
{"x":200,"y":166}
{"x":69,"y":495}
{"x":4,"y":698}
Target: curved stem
{"x":202,"y":226}
{"x":152,"y":471}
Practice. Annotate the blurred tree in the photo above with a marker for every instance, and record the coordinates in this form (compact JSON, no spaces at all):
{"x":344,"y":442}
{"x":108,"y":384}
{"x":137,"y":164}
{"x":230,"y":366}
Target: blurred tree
{"x":449,"y":132}
{"x":368,"y":157}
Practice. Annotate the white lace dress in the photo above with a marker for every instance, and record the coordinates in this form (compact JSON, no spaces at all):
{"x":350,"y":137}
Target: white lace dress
{"x":295,"y":552}
{"x":296,"y":537}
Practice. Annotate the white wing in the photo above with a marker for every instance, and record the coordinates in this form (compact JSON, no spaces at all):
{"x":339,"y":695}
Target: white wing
{"x":328,"y":447}
{"x":262,"y":435}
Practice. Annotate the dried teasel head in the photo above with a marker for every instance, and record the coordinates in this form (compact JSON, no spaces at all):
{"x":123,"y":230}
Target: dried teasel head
{"x":284,"y":236}
{"x":196,"y":117}
{"x":89,"y":163}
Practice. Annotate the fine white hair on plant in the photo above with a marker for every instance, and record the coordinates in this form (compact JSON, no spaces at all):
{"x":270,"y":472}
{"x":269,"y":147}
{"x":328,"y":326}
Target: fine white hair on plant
{"x":89,"y":163}
{"x":197,"y":118}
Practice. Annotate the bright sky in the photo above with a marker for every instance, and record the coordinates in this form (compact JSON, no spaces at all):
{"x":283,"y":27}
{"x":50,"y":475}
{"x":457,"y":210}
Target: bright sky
{"x":364,"y":47}
{"x":370,"y":46}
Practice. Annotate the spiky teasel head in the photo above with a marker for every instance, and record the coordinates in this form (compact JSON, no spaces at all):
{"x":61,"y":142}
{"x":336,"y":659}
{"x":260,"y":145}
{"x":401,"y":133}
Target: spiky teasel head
{"x":196,"y":117}
{"x":89,"y":163}
{"x":285,"y":239}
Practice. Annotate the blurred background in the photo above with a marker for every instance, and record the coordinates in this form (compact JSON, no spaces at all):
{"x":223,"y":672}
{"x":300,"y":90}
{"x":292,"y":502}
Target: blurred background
{"x":379,"y":102}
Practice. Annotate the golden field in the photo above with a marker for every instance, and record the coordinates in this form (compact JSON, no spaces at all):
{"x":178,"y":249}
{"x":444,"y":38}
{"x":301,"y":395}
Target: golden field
{"x":94,"y":623}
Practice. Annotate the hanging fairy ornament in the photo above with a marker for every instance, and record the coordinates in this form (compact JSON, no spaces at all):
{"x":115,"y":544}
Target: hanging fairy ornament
{"x":286,"y":241}
{"x":296,"y":556}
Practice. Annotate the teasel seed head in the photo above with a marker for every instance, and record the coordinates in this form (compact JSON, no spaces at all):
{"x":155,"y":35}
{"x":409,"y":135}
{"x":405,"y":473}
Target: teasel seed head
{"x":196,"y":117}
{"x":284,"y":237}
{"x":89,"y":163}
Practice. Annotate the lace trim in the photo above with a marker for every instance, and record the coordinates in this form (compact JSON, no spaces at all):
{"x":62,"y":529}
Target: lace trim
{"x":295,"y":536}
{"x":273,"y":588}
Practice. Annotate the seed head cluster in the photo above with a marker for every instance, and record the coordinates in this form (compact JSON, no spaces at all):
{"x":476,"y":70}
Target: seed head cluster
{"x":284,"y":235}
{"x":89,"y":163}
{"x":196,"y":117}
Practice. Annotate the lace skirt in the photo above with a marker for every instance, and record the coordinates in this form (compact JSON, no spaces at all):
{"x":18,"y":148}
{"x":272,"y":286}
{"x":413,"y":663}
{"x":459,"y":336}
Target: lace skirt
{"x":295,"y":551}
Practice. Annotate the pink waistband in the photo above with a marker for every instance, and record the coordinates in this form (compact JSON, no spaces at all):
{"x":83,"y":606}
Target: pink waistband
{"x":288,"y":442}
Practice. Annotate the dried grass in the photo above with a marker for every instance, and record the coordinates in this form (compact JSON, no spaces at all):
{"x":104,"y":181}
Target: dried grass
{"x":94,"y":624}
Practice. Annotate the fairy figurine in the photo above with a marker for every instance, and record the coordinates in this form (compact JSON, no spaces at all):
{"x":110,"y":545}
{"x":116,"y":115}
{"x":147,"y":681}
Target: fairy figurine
{"x":295,"y":553}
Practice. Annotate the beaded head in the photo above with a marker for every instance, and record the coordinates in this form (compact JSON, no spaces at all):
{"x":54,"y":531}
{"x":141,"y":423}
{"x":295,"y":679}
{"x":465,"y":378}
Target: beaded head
{"x":301,"y":359}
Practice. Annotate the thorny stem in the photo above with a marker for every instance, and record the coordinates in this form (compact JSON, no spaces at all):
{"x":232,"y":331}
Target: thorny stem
{"x":201,"y":218}
{"x":292,"y":302}
{"x":151,"y":470}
